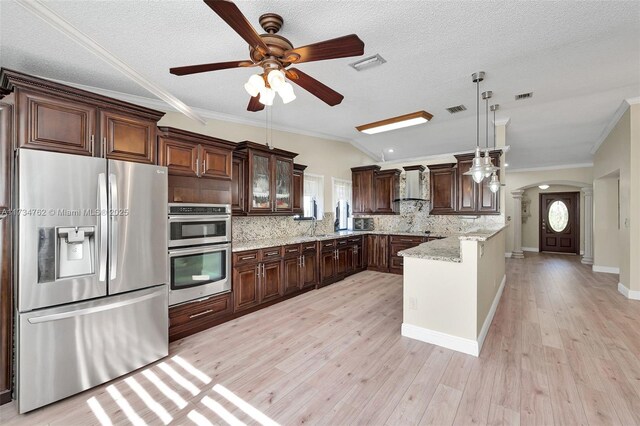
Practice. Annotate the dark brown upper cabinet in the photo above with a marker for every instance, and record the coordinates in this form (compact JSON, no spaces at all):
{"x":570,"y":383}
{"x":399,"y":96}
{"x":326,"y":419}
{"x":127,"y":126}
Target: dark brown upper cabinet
{"x":473,"y":197}
{"x":453,"y":192}
{"x":194,"y":155}
{"x":375,"y":190}
{"x":238,"y":183}
{"x":298,"y":188}
{"x":443,"y":188}
{"x":269,"y":186}
{"x":386,"y":184}
{"x":54,"y":117}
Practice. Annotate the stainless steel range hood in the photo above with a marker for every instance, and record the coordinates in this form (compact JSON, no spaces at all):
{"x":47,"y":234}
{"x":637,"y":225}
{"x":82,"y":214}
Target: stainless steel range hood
{"x":413,"y":184}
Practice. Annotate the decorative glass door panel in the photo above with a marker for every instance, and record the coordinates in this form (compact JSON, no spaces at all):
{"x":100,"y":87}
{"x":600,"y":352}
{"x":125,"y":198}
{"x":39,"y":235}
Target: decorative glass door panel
{"x":284,"y":175}
{"x":261,"y":198}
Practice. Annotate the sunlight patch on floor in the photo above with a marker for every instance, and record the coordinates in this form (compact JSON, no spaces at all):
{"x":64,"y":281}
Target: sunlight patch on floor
{"x":191,"y":369}
{"x":149,"y":401}
{"x":222,"y":412}
{"x":99,"y":412}
{"x":249,"y":409}
{"x":179,"y":378}
{"x":198,"y":418}
{"x":125,"y":406}
{"x":166,"y":390}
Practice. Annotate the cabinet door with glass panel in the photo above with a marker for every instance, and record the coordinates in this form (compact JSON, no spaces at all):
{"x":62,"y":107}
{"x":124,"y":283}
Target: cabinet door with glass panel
{"x":260,"y":181}
{"x":283,"y":184}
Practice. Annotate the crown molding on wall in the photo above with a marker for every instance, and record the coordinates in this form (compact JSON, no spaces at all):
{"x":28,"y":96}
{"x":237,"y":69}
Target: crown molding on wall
{"x":503,"y":121}
{"x":39,"y":9}
{"x":624,"y":105}
{"x":212,"y":115}
{"x":556,"y":167}
{"x":447,"y":157}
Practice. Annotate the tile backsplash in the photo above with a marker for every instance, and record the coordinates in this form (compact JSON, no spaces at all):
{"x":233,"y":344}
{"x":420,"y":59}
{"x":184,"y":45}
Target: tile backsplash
{"x":414,"y":217}
{"x":264,"y":227}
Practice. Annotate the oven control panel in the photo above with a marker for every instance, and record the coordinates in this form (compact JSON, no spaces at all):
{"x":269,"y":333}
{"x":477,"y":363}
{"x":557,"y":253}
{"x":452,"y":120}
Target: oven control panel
{"x":199,"y":209}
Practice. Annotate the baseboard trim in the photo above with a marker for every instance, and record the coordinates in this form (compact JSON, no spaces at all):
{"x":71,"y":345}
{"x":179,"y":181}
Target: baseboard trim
{"x":460,"y":344}
{"x":507,"y":254}
{"x":605,"y":269}
{"x":629,"y":294}
{"x":489,"y":319}
{"x":533,"y":249}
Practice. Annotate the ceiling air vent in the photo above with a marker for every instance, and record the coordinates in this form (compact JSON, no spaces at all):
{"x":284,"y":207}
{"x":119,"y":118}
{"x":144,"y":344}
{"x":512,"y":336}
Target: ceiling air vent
{"x":368,"y":62}
{"x":457,"y":108}
{"x":524,"y":96}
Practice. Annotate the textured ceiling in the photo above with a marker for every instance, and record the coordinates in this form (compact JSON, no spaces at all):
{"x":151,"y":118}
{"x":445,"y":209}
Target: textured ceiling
{"x":581,"y":59}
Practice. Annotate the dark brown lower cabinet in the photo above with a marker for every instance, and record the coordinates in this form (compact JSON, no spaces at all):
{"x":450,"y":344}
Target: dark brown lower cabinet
{"x":6,"y":309}
{"x":398,"y":243}
{"x":309,"y":267}
{"x":245,"y":286}
{"x":292,"y":274}
{"x":190,"y":318}
{"x":378,"y":253}
{"x":271,"y":281}
{"x":327,"y":267}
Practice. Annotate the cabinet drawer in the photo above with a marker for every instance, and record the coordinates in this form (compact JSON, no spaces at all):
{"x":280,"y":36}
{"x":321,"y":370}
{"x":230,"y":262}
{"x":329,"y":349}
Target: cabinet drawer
{"x":355,"y":240}
{"x":407,"y":239}
{"x":396,"y":262}
{"x":342,"y":242}
{"x":292,"y":250}
{"x":309,"y":246}
{"x":212,"y":307}
{"x":271,"y":253}
{"x":243,"y":257}
{"x":328,"y":245}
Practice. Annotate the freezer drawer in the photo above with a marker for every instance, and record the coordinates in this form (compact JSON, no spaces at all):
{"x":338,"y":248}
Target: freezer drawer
{"x":68,"y":349}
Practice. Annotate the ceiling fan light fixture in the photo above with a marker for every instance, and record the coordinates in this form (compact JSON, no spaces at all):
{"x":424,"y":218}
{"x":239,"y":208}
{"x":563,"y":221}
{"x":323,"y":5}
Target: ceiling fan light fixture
{"x":254,"y":85}
{"x":394,"y":123}
{"x":286,"y":93}
{"x":266,"y":96}
{"x":276,"y":80}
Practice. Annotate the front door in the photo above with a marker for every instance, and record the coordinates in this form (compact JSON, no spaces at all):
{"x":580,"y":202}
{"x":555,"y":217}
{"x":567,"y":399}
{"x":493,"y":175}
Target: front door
{"x":560,"y":222}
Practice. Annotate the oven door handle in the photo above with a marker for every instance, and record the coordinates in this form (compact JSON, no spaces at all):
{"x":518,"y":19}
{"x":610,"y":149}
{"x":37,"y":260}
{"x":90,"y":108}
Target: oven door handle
{"x":198,"y":250}
{"x":208,"y":218}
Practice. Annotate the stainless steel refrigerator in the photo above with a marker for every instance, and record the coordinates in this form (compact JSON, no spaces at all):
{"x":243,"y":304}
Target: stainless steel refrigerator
{"x":91,"y":272}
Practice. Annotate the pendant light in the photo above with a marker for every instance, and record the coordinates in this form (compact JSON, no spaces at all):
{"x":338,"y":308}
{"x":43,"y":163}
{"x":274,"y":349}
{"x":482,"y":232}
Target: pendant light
{"x":477,"y":170}
{"x":494,"y":183}
{"x":487,"y":162}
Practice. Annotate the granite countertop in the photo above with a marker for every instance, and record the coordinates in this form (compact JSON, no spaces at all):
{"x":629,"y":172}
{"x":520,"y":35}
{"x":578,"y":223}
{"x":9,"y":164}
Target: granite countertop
{"x":283,"y":241}
{"x":448,"y":249}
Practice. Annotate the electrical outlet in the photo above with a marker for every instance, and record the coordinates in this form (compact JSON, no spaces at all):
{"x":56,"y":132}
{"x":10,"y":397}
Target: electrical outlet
{"x":413,"y":303}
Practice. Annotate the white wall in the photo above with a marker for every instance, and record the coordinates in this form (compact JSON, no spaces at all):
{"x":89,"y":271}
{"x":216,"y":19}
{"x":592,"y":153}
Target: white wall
{"x":620,"y":154}
{"x":607,"y":234}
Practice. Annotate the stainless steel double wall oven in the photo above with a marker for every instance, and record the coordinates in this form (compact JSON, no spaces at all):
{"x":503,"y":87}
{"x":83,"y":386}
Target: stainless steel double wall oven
{"x":199,"y":251}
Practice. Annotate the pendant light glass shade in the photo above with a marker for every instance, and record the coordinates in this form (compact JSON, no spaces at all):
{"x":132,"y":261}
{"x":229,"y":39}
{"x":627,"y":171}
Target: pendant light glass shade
{"x":476,"y":171}
{"x":254,"y":85}
{"x":494,"y":183}
{"x":266,"y":96}
{"x":487,"y":164}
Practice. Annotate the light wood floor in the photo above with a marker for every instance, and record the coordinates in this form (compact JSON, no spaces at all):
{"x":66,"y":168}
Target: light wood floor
{"x":563,"y":349}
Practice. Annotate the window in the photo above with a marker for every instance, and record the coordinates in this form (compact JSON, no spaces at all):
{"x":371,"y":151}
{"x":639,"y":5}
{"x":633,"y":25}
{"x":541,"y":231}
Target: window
{"x":313,"y":199}
{"x":342,"y":201}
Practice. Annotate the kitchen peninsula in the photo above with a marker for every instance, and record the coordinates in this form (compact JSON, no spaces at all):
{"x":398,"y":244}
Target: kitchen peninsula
{"x":452,"y":287}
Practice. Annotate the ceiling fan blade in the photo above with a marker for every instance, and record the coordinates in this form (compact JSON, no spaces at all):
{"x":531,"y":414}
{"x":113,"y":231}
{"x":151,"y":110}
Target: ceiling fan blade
{"x":230,"y":13}
{"x":254,"y":104}
{"x":313,"y":86}
{"x":194,"y":69}
{"x":340,"y":47}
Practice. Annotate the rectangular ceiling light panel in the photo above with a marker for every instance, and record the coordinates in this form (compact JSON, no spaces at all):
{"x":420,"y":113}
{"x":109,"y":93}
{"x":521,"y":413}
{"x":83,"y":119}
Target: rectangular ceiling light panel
{"x":394,"y":123}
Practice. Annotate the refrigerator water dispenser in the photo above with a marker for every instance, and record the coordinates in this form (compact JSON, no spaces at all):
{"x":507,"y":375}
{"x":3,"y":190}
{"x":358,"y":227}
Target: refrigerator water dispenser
{"x":76,"y":248}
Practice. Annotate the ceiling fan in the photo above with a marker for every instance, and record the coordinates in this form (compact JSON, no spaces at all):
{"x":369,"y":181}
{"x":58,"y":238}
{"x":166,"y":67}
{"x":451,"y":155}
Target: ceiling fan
{"x":272,"y":52}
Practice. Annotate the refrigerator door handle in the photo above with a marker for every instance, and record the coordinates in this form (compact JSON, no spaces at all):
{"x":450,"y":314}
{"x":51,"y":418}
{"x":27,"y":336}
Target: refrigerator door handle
{"x":92,"y":310}
{"x":102,"y":211}
{"x":113,"y":233}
